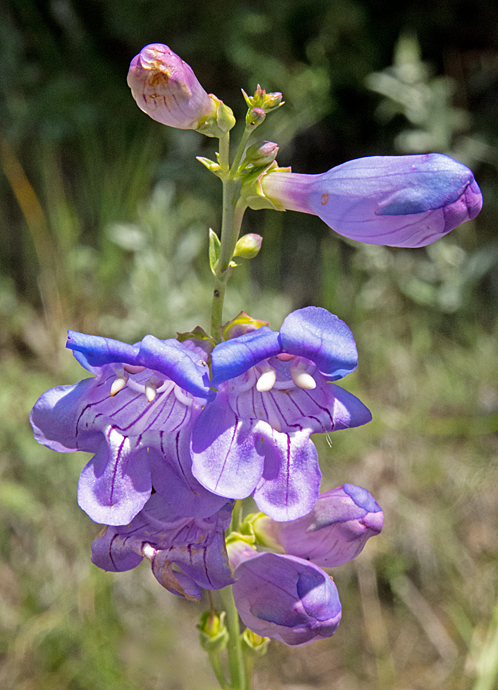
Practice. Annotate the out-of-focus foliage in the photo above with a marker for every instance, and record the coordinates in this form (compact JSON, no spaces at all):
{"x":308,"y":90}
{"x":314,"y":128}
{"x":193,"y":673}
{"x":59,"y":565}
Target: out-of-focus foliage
{"x":104,"y":219}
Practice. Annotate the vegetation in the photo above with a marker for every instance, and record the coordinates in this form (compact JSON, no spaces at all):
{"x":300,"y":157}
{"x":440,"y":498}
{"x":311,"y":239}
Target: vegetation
{"x":103,"y":229}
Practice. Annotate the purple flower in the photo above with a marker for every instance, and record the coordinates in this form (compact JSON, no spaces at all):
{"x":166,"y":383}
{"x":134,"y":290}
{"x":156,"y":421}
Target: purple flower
{"x":195,"y":545}
{"x":167,"y":89}
{"x":285,"y":597}
{"x":136,"y":416}
{"x":401,"y":201}
{"x":333,"y":533}
{"x":274,"y":390}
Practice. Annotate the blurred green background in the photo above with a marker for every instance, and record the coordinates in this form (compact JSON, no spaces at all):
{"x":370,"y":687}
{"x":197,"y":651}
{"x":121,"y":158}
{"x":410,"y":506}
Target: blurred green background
{"x":103,"y":229}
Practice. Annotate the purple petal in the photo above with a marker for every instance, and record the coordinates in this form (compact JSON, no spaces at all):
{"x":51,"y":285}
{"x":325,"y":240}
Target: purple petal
{"x":96,"y":351}
{"x":54,"y":419}
{"x":115,"y":485}
{"x":400,"y":201}
{"x":335,"y":531}
{"x":227,"y":455}
{"x":291,"y":477}
{"x":171,"y":470}
{"x":323,"y":338}
{"x":286,"y":598}
{"x":111,"y":554}
{"x":178,"y":362}
{"x":233,"y":357}
{"x":181,"y":364}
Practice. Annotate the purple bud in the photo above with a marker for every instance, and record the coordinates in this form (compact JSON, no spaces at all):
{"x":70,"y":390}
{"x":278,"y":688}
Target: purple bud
{"x":286,"y":598}
{"x":167,"y":89}
{"x":400,"y":201}
{"x":335,"y":531}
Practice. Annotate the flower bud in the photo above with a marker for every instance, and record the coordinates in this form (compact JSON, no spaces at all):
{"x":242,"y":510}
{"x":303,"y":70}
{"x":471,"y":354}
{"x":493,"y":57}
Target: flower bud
{"x":167,"y":89}
{"x":335,"y":531}
{"x":248,"y":246}
{"x":286,"y":598}
{"x":254,"y":644}
{"x":213,"y":633}
{"x":242,"y":323}
{"x":255,"y":116}
{"x":261,"y":154}
{"x":400,"y":201}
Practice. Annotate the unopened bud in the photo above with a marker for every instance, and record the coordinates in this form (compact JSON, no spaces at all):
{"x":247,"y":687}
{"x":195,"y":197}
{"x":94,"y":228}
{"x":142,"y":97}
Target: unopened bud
{"x":248,"y":246}
{"x":254,"y":643}
{"x":255,"y":116}
{"x":261,"y":154}
{"x":166,"y":88}
{"x":213,"y":634}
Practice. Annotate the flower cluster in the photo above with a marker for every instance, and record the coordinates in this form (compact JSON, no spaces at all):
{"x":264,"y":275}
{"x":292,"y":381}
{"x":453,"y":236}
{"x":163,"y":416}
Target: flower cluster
{"x":288,"y":596}
{"x":181,"y":429}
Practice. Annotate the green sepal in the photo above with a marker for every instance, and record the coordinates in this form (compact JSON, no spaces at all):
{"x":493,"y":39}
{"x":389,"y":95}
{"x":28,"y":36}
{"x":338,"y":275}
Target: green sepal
{"x":254,"y":644}
{"x":213,"y":633}
{"x":201,"y":338}
{"x":212,"y":166}
{"x":218,"y":124}
{"x":214,"y":250}
{"x":252,"y":191}
{"x":242,"y":323}
{"x":236,"y":537}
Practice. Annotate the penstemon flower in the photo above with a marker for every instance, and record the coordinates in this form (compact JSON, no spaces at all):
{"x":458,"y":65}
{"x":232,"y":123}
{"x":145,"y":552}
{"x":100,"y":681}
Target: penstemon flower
{"x":333,"y":533}
{"x":274,"y":390}
{"x":284,"y":597}
{"x":136,"y":415}
{"x":196,"y":545}
{"x":401,"y":201}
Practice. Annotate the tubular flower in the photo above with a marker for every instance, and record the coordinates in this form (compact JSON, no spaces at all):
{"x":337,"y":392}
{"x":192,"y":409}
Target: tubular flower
{"x":195,"y":545}
{"x":285,"y":597}
{"x":400,"y":201}
{"x":136,"y":416}
{"x":333,"y":533}
{"x":167,"y":89}
{"x":274,"y":390}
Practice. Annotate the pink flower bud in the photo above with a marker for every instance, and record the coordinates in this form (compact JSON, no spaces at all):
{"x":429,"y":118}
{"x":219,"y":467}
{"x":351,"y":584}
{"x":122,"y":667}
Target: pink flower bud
{"x":167,"y":89}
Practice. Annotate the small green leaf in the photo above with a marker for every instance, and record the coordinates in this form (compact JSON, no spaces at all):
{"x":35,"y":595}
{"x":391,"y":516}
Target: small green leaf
{"x":214,"y":250}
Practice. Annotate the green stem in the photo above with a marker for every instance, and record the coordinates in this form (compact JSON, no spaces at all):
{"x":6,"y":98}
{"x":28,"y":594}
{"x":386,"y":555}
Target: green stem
{"x":249,"y":129}
{"x":236,"y":517}
{"x":215,"y":661}
{"x":234,"y":646}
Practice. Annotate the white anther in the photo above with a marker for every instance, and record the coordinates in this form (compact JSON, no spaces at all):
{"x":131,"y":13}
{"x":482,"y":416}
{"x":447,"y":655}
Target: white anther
{"x":119,"y":383}
{"x":267,"y":379}
{"x":151,"y":387}
{"x":300,"y":377}
{"x":149,"y":551}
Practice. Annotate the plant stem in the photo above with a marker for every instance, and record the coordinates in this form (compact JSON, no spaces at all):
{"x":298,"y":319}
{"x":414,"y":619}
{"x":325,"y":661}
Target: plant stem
{"x":233,"y":212}
{"x":234,"y":646}
{"x":215,"y":661}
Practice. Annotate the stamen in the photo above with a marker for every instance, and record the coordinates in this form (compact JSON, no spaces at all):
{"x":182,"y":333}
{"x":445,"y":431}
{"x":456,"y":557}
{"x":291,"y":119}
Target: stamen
{"x":285,"y":357}
{"x":182,"y":396}
{"x":267,"y":379}
{"x":149,"y":551}
{"x":300,"y":377}
{"x":119,"y":383}
{"x":133,"y":369}
{"x":151,"y":387}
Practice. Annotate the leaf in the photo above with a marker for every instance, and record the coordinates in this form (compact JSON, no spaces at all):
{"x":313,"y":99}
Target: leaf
{"x":214,"y":250}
